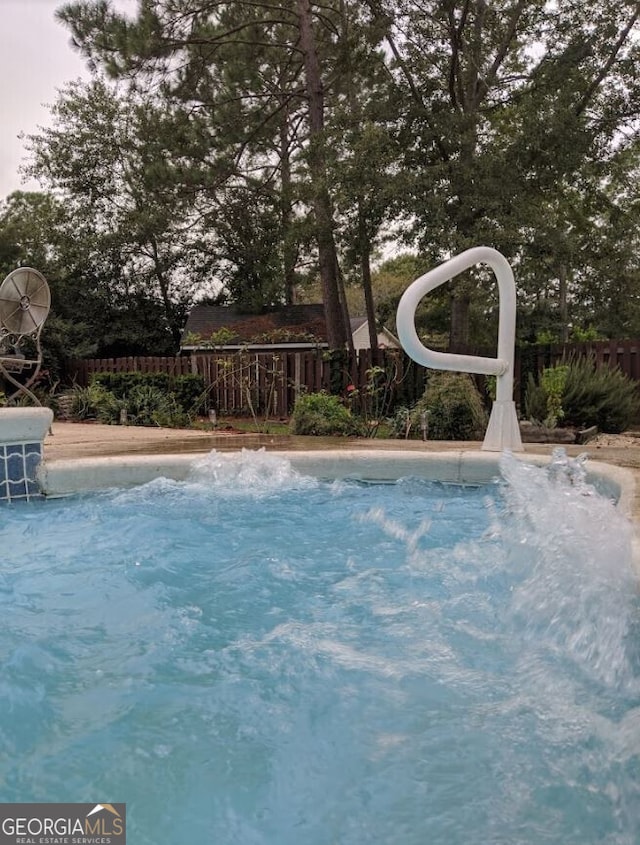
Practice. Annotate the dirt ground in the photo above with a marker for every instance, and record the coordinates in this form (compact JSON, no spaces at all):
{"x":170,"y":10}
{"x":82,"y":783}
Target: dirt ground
{"x":630,"y":439}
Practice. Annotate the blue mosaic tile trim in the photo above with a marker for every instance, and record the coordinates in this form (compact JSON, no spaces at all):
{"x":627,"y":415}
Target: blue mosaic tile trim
{"x":19,"y":464}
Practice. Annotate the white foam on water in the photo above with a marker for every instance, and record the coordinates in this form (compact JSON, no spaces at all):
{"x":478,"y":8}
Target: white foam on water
{"x":570,"y":551}
{"x":247,"y":472}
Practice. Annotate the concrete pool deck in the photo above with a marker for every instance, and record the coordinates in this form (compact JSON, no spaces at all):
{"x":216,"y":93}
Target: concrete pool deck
{"x":85,"y":440}
{"x":72,"y":441}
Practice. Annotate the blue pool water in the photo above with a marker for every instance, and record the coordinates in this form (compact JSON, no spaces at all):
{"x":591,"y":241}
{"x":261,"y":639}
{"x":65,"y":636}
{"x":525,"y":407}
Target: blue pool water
{"x":257,"y":657}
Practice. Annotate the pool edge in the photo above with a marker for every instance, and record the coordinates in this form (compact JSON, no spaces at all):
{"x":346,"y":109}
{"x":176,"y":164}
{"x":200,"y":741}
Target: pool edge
{"x":66,"y":476}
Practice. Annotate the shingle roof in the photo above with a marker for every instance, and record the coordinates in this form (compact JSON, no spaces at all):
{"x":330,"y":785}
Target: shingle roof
{"x":300,"y":320}
{"x":356,"y":322}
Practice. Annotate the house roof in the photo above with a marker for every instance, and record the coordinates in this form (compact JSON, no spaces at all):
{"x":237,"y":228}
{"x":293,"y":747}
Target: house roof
{"x":300,"y":322}
{"x":356,"y":323}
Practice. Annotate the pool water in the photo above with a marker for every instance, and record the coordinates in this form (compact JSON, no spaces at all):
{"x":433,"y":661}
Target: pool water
{"x":253,"y":656}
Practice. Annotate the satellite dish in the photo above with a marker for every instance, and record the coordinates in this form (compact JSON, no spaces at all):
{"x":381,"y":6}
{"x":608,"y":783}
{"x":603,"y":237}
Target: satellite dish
{"x":25,"y":300}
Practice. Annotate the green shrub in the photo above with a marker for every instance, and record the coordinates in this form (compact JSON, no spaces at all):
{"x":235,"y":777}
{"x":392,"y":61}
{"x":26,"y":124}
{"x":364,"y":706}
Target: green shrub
{"x":599,"y":396}
{"x":535,"y":400}
{"x":121,"y":384}
{"x":148,"y":405}
{"x":189,"y":392}
{"x":82,"y":406}
{"x":324,"y":415}
{"x":454,"y":408}
{"x":401,"y":423}
{"x":95,"y":403}
{"x":185,"y":393}
{"x":544,"y":399}
{"x":553,"y":381}
{"x":591,"y":395}
{"x":144,"y":405}
{"x":109,"y":408}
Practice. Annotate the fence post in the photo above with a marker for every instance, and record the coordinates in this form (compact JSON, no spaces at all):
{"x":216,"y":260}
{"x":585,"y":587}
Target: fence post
{"x":297,"y":375}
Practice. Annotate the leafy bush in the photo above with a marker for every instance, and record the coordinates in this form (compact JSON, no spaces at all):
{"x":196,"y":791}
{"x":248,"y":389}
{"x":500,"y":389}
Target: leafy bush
{"x":121,"y":384}
{"x":95,"y":403}
{"x":599,"y":396}
{"x":535,"y":400}
{"x":591,"y":395}
{"x":324,"y":415}
{"x":148,"y":405}
{"x":184,"y":394}
{"x":544,"y":400}
{"x":401,"y":423}
{"x":553,"y":381}
{"x":189,"y":392}
{"x":453,"y":406}
{"x":144,"y":404}
{"x":109,"y":408}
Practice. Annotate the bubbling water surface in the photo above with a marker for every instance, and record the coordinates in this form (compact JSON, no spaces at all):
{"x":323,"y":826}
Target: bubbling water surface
{"x":253,"y":656}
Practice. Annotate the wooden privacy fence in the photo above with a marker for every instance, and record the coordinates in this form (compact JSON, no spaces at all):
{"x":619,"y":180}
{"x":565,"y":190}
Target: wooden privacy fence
{"x":271,"y":381}
{"x":238,"y":382}
{"x":624,"y":354}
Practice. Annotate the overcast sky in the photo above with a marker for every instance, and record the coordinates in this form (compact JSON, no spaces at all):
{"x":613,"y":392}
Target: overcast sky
{"x":36,"y":59}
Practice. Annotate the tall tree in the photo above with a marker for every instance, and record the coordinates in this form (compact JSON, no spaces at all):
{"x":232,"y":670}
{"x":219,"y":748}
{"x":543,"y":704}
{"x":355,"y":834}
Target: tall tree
{"x":30,"y":227}
{"x":502,"y":102}
{"x":91,"y":312}
{"x":189,"y":52}
{"x":110,"y":158}
{"x":363,"y":151}
{"x":337,"y":325}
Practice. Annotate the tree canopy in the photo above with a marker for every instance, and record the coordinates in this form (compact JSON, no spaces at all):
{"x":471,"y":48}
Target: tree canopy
{"x":249,"y":146}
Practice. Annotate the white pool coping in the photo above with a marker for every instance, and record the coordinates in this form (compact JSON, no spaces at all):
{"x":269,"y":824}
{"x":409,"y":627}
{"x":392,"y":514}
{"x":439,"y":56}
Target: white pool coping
{"x":65,"y":477}
{"x":24,"y":425}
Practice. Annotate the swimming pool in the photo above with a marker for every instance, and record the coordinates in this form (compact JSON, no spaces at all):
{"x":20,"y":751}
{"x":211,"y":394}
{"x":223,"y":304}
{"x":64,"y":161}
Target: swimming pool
{"x":255,"y":656}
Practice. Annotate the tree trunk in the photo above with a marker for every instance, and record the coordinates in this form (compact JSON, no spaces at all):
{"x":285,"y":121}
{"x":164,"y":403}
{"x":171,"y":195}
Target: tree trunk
{"x":564,"y":310}
{"x":337,"y":330}
{"x":169,"y":308}
{"x":459,"y":335}
{"x":345,"y":312}
{"x":288,"y":249}
{"x":364,"y":248}
{"x":463,"y":184}
{"x":466,"y":91}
